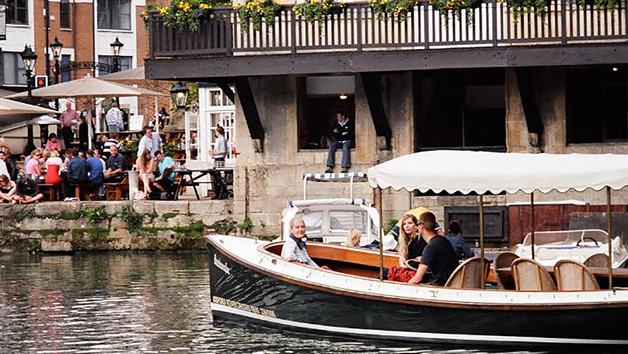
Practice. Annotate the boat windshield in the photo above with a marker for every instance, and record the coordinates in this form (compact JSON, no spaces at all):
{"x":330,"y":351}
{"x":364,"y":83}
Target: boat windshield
{"x":567,"y":237}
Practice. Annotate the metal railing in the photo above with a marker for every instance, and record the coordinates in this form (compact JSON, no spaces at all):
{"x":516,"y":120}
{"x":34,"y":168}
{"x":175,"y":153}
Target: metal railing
{"x":356,"y":28}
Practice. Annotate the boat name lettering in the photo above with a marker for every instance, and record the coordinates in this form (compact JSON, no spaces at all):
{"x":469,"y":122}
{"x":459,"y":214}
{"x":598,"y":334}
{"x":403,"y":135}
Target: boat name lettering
{"x":244,"y":307}
{"x":221,"y":265}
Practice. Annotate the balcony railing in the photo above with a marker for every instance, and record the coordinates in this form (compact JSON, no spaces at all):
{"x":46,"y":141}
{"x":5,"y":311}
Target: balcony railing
{"x":356,"y":29}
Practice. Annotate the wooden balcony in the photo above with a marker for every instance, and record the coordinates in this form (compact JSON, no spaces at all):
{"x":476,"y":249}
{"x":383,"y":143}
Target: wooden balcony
{"x":489,"y":36}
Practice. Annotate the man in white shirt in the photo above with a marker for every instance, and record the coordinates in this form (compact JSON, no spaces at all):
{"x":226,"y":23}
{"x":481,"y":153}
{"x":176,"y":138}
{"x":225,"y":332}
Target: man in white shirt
{"x":150,"y":142}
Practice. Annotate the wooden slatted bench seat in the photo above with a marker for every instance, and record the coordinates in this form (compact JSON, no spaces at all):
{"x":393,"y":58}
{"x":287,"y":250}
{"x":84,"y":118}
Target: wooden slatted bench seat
{"x":50,"y":191}
{"x":117,"y":191}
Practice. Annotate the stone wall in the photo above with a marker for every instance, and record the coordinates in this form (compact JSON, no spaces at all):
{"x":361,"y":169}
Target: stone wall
{"x":146,"y":225}
{"x":265,"y":179}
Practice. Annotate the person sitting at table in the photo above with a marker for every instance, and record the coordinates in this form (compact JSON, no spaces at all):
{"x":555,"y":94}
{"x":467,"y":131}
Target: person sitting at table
{"x":111,"y":141}
{"x":98,"y":155}
{"x":76,"y":173}
{"x":145,"y":166}
{"x":53,"y":144}
{"x":116,"y":165}
{"x":94,"y":168}
{"x":53,"y":168}
{"x":165,"y":181}
{"x":33,"y":166}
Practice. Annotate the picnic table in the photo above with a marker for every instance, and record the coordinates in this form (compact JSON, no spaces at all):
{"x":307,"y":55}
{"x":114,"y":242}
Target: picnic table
{"x":191,"y":177}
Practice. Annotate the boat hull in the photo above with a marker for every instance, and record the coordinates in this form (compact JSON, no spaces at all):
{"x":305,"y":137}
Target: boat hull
{"x":239,"y":290}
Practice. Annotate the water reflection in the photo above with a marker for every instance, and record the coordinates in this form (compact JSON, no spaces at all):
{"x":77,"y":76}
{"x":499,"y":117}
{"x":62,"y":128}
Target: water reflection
{"x":133,"y":303}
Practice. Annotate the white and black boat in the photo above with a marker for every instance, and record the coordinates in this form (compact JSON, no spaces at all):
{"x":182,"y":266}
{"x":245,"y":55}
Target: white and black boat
{"x":249,"y":280}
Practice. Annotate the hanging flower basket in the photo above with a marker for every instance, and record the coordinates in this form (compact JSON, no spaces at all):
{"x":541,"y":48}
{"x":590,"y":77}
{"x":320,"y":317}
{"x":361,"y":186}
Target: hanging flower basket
{"x":255,"y":12}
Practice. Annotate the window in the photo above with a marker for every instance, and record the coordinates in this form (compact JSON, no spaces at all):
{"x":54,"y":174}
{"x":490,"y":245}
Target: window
{"x":318,"y":100}
{"x":114,"y":14}
{"x":124,"y":62}
{"x":66,"y":75}
{"x":17,"y":12}
{"x":461,"y":109}
{"x":495,"y":222}
{"x":597,"y":104}
{"x":64,"y":13}
{"x":14,"y":73}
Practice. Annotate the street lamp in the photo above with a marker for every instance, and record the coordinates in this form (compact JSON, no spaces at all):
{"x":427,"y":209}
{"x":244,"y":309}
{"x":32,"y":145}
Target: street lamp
{"x":30,"y":59}
{"x":116,"y":47}
{"x":179,"y":94}
{"x":56,"y":47}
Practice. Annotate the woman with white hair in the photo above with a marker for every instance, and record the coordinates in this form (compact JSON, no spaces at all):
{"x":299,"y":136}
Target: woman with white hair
{"x":295,"y":249}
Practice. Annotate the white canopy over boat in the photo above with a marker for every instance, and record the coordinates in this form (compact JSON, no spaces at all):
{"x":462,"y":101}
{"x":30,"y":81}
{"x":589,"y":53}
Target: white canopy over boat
{"x":483,"y":172}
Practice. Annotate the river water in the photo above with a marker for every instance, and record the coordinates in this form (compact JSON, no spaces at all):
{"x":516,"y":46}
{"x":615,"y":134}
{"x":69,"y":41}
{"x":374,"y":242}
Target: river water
{"x":135,"y":303}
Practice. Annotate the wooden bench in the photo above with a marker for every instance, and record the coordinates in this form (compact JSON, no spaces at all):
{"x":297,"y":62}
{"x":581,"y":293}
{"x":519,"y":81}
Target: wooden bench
{"x":50,"y":191}
{"x":117,"y":191}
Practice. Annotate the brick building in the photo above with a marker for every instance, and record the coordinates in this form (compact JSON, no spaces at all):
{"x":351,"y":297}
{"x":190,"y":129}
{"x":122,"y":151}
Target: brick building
{"x":86,"y":29}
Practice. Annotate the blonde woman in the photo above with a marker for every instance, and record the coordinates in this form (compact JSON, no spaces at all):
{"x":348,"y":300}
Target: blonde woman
{"x":145,"y":168}
{"x":411,"y":247}
{"x":353,"y":238}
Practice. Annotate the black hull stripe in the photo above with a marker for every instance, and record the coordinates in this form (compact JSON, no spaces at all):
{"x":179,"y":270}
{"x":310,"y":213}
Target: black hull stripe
{"x":414,"y":336}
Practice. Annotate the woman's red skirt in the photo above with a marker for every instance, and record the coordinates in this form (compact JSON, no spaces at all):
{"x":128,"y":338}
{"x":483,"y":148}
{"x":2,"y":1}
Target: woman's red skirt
{"x":398,"y":273}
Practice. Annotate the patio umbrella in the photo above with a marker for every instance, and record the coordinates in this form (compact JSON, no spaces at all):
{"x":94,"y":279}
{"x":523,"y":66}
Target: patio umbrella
{"x":88,"y":89}
{"x":44,"y":120}
{"x":136,"y":76}
{"x":12,"y":108}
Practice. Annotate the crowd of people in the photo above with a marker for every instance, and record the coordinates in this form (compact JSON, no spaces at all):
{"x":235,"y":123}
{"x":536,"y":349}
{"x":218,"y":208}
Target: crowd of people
{"x":426,"y":255}
{"x":90,"y":169}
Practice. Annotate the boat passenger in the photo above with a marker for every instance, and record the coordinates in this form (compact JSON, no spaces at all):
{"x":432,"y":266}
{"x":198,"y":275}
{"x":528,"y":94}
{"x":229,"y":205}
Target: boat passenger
{"x":353,"y":238}
{"x":295,"y":249}
{"x":391,"y":238}
{"x":438,"y":256}
{"x":454,"y":235}
{"x":411,"y":247}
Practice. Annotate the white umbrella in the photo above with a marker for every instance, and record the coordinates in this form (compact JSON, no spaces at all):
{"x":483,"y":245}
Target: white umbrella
{"x":87,"y":87}
{"x":12,"y":108}
{"x":43,"y":120}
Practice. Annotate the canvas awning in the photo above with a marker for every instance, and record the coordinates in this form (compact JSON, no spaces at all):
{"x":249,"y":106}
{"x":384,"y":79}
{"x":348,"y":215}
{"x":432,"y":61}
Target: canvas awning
{"x":13,"y":108}
{"x":482,"y":172}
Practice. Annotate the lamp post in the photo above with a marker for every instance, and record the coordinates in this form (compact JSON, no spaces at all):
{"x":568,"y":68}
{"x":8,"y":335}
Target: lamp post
{"x":56,"y":47}
{"x":116,"y":47}
{"x":30,"y":59}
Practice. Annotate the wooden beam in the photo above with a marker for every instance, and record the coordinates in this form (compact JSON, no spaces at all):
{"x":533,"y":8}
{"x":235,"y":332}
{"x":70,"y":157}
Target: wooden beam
{"x":199,"y":69}
{"x":529,"y":101}
{"x":226,"y":89}
{"x":370,"y":82}
{"x":251,"y":114}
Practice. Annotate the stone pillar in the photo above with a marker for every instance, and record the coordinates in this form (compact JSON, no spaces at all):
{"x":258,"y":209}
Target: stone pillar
{"x":516,"y":125}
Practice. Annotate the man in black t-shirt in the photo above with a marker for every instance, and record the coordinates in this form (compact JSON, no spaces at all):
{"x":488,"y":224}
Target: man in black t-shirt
{"x":438,"y":256}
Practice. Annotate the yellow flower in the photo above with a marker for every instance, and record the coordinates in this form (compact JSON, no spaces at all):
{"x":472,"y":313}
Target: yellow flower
{"x":163,"y":10}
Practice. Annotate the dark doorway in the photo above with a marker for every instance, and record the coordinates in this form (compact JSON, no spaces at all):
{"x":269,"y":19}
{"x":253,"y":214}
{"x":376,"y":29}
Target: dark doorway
{"x":597,"y":104}
{"x":461,"y":109}
{"x":319,"y":99}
